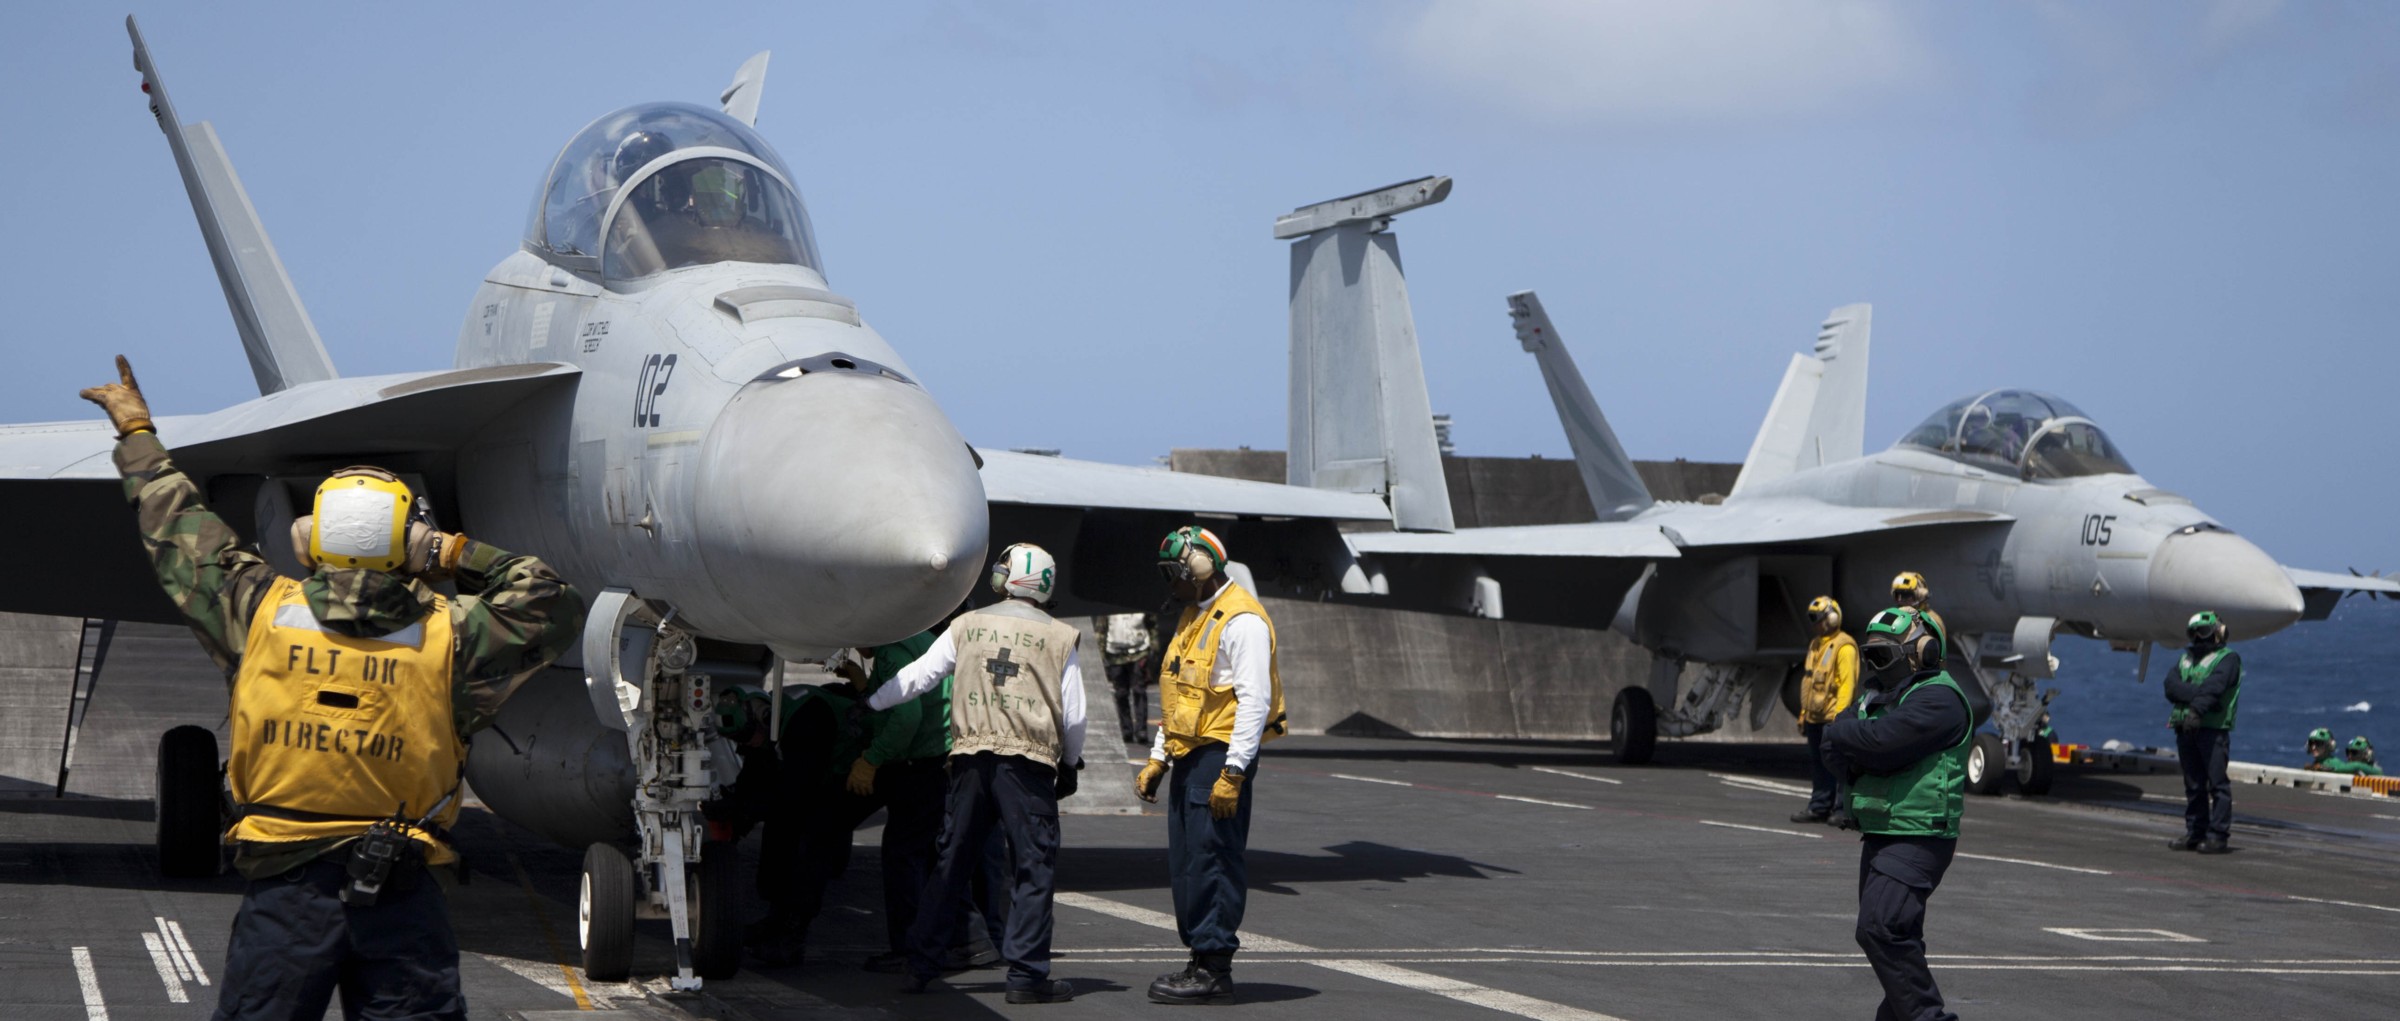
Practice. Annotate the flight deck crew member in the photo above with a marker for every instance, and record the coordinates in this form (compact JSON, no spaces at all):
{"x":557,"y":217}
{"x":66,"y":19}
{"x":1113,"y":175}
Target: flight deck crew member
{"x":1127,"y":638}
{"x":901,"y":772}
{"x":1220,"y":697}
{"x":2322,"y":752}
{"x":1829,"y":676}
{"x":1016,"y":738}
{"x":790,"y":785}
{"x":1904,"y":743}
{"x":1910,"y":592}
{"x":2203,"y":687}
{"x":353,"y":693}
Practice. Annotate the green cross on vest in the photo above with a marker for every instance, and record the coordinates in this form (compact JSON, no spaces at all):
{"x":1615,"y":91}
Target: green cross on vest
{"x":1001,"y":669}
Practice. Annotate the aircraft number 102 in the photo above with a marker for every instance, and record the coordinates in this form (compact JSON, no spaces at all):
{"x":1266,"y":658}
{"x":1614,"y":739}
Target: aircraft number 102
{"x":656,"y":371}
{"x":2097,"y":528}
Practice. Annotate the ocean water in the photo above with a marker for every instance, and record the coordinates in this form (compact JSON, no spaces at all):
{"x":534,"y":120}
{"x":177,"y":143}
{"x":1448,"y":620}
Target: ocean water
{"x":2342,"y":673}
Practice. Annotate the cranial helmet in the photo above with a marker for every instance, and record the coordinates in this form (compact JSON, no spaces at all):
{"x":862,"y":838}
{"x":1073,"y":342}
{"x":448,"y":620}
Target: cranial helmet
{"x":1191,"y":552}
{"x":361,"y":520}
{"x":2324,"y":734}
{"x":1909,"y":585}
{"x":1025,"y":571}
{"x":2205,"y":626}
{"x":1825,"y":614}
{"x":2361,"y":749}
{"x":1895,"y":633}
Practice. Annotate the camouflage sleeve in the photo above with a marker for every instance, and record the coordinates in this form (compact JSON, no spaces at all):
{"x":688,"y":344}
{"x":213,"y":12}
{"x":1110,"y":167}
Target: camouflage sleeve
{"x":215,"y":580}
{"x":513,"y":616}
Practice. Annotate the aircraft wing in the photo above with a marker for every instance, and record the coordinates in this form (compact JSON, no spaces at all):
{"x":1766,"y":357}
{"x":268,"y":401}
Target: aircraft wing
{"x":1113,"y":516}
{"x":2321,"y":590}
{"x":74,"y":536}
{"x":1767,"y":522}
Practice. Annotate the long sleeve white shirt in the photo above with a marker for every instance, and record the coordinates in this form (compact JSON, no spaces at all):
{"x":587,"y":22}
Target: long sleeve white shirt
{"x":942,"y":659}
{"x":1245,"y":649}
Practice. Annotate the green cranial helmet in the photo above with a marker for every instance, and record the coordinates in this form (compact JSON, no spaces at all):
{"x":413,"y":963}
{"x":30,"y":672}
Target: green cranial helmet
{"x":2324,"y":734}
{"x":2205,"y":626}
{"x":2360,"y":744}
{"x":1891,"y":633}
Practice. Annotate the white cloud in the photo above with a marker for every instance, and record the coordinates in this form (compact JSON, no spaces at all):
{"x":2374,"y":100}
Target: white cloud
{"x":1626,"y":60}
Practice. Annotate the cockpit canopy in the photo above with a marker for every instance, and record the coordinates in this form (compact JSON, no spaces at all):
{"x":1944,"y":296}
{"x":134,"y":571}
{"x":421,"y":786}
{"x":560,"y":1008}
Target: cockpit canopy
{"x":2024,"y":433}
{"x":668,"y":185}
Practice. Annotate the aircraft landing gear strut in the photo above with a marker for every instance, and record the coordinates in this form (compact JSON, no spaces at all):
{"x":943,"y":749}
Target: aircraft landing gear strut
{"x":638,"y":668}
{"x":2019,"y":743}
{"x":1636,"y":722}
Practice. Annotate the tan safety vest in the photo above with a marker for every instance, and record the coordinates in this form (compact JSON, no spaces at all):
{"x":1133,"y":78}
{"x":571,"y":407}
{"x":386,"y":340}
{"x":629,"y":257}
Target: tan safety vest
{"x":1005,"y":694}
{"x":1824,"y":692}
{"x":1195,"y":711}
{"x":331,"y":733}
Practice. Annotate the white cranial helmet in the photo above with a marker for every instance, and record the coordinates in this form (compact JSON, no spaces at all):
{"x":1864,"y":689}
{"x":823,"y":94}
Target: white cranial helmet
{"x":1025,"y":571}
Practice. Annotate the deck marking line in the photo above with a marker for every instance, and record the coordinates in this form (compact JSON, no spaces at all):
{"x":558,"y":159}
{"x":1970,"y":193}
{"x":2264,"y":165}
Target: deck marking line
{"x":1539,"y":801}
{"x":175,"y":958}
{"x":166,"y":969}
{"x":1762,"y":783}
{"x":1370,"y":779}
{"x":1576,"y":775}
{"x":173,"y":930}
{"x":2342,"y":903}
{"x":94,"y":1008}
{"x":1464,"y":992}
{"x":1761,"y":829}
{"x":2036,"y":864}
{"x":2125,"y":935}
{"x":583,"y":1000}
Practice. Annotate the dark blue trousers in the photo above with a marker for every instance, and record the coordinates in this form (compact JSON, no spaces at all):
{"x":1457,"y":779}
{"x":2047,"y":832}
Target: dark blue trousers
{"x":988,"y":793}
{"x":1896,"y":876}
{"x":1827,"y":794}
{"x":295,"y":944}
{"x":1204,"y":855}
{"x":2207,"y":791}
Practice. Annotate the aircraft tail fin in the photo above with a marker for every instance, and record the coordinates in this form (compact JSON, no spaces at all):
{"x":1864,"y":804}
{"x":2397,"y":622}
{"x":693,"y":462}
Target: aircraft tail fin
{"x":282,"y":343}
{"x":1819,"y":415}
{"x":1609,"y":477}
{"x":749,"y":82}
{"x":1360,"y":418}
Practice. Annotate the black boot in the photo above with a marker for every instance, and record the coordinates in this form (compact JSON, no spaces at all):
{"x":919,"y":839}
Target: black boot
{"x":1049,"y":991}
{"x":1207,"y":979}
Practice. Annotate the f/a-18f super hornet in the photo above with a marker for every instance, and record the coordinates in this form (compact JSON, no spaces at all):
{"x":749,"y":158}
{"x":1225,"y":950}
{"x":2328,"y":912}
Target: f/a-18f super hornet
{"x":660,"y":394}
{"x":2018,"y":507}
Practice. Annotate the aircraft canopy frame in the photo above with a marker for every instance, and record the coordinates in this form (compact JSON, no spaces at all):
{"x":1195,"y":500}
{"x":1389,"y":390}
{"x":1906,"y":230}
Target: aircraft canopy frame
{"x":627,"y":153}
{"x":2027,"y":433}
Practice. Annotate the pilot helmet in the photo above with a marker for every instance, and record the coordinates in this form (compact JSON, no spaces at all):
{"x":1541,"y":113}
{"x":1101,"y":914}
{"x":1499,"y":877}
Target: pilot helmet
{"x":635,"y":151}
{"x":1025,"y":571}
{"x":1191,"y":553}
{"x":1825,"y":614}
{"x":718,"y":188}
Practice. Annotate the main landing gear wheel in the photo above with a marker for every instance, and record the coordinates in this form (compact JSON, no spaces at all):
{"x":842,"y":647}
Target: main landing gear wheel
{"x":1987,"y":758}
{"x":604,"y":914}
{"x":191,"y":804}
{"x":1633,"y":726}
{"x":2033,"y":774}
{"x":717,"y":911}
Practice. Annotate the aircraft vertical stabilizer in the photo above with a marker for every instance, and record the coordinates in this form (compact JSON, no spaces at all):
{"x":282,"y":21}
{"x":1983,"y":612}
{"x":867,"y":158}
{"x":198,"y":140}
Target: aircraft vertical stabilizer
{"x":1819,"y":414}
{"x":1361,"y":421}
{"x":1609,"y":477}
{"x":749,"y":84}
{"x":282,"y":343}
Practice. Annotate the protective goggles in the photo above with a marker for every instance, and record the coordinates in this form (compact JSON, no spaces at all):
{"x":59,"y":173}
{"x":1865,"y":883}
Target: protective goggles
{"x":1881,"y":656}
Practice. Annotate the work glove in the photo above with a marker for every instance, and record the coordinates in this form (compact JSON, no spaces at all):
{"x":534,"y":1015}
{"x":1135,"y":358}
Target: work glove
{"x":1070,"y":779}
{"x":1145,"y":783}
{"x":862,"y":777}
{"x":122,"y":400}
{"x":1225,"y":798}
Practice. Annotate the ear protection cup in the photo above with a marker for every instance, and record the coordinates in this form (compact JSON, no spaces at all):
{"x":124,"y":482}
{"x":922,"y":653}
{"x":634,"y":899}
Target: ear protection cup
{"x":1202,"y":566}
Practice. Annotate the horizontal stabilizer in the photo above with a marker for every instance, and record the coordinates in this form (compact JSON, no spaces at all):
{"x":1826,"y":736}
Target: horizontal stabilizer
{"x":1609,"y":478}
{"x":282,"y":343}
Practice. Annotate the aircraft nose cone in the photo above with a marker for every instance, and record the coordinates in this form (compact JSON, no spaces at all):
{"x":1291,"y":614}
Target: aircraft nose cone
{"x":2223,"y":572}
{"x":839,"y":508}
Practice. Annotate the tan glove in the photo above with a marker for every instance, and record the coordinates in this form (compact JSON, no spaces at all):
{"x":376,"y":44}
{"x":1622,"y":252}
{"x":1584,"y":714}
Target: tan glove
{"x":1145,"y":784}
{"x":862,"y":777}
{"x":304,"y":528}
{"x":432,"y":555}
{"x":1225,"y":797}
{"x":123,"y":401}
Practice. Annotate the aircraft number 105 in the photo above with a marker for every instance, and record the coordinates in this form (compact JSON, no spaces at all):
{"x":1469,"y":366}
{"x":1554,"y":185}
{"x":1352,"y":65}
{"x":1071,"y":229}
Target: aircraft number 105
{"x":2097,"y":527}
{"x":656,"y":371}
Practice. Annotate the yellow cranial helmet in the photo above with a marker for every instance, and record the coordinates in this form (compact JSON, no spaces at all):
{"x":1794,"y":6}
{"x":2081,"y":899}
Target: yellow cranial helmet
{"x":361,"y":519}
{"x":1825,"y":613}
{"x":1908,"y":585}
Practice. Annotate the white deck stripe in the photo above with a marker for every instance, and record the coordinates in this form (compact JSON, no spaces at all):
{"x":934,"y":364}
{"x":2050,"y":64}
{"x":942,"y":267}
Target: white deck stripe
{"x":1576,"y":775}
{"x":94,"y":1008}
{"x":1541,"y":801}
{"x":184,"y":947}
{"x":183,"y":971}
{"x":1464,"y":992}
{"x":1761,"y":829}
{"x":1370,"y":779}
{"x":2036,"y":864}
{"x":2342,"y":903}
{"x":166,"y":968}
{"x":1762,"y":783}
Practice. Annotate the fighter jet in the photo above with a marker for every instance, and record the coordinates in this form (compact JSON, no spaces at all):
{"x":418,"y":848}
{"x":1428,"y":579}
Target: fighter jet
{"x":2023,"y":514}
{"x":659,"y":393}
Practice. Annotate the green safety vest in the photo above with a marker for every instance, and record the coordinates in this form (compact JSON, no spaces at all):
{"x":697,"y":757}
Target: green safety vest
{"x":2221,"y":717}
{"x":1924,"y":800}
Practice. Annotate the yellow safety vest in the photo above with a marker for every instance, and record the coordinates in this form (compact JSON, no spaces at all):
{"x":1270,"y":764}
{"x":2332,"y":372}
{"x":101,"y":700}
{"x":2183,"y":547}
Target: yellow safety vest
{"x":1193,"y":711}
{"x":1824,"y":690}
{"x":331,"y":733}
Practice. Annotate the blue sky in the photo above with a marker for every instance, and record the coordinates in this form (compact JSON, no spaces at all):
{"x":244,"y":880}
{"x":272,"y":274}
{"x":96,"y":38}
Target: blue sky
{"x":2180,"y":216}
